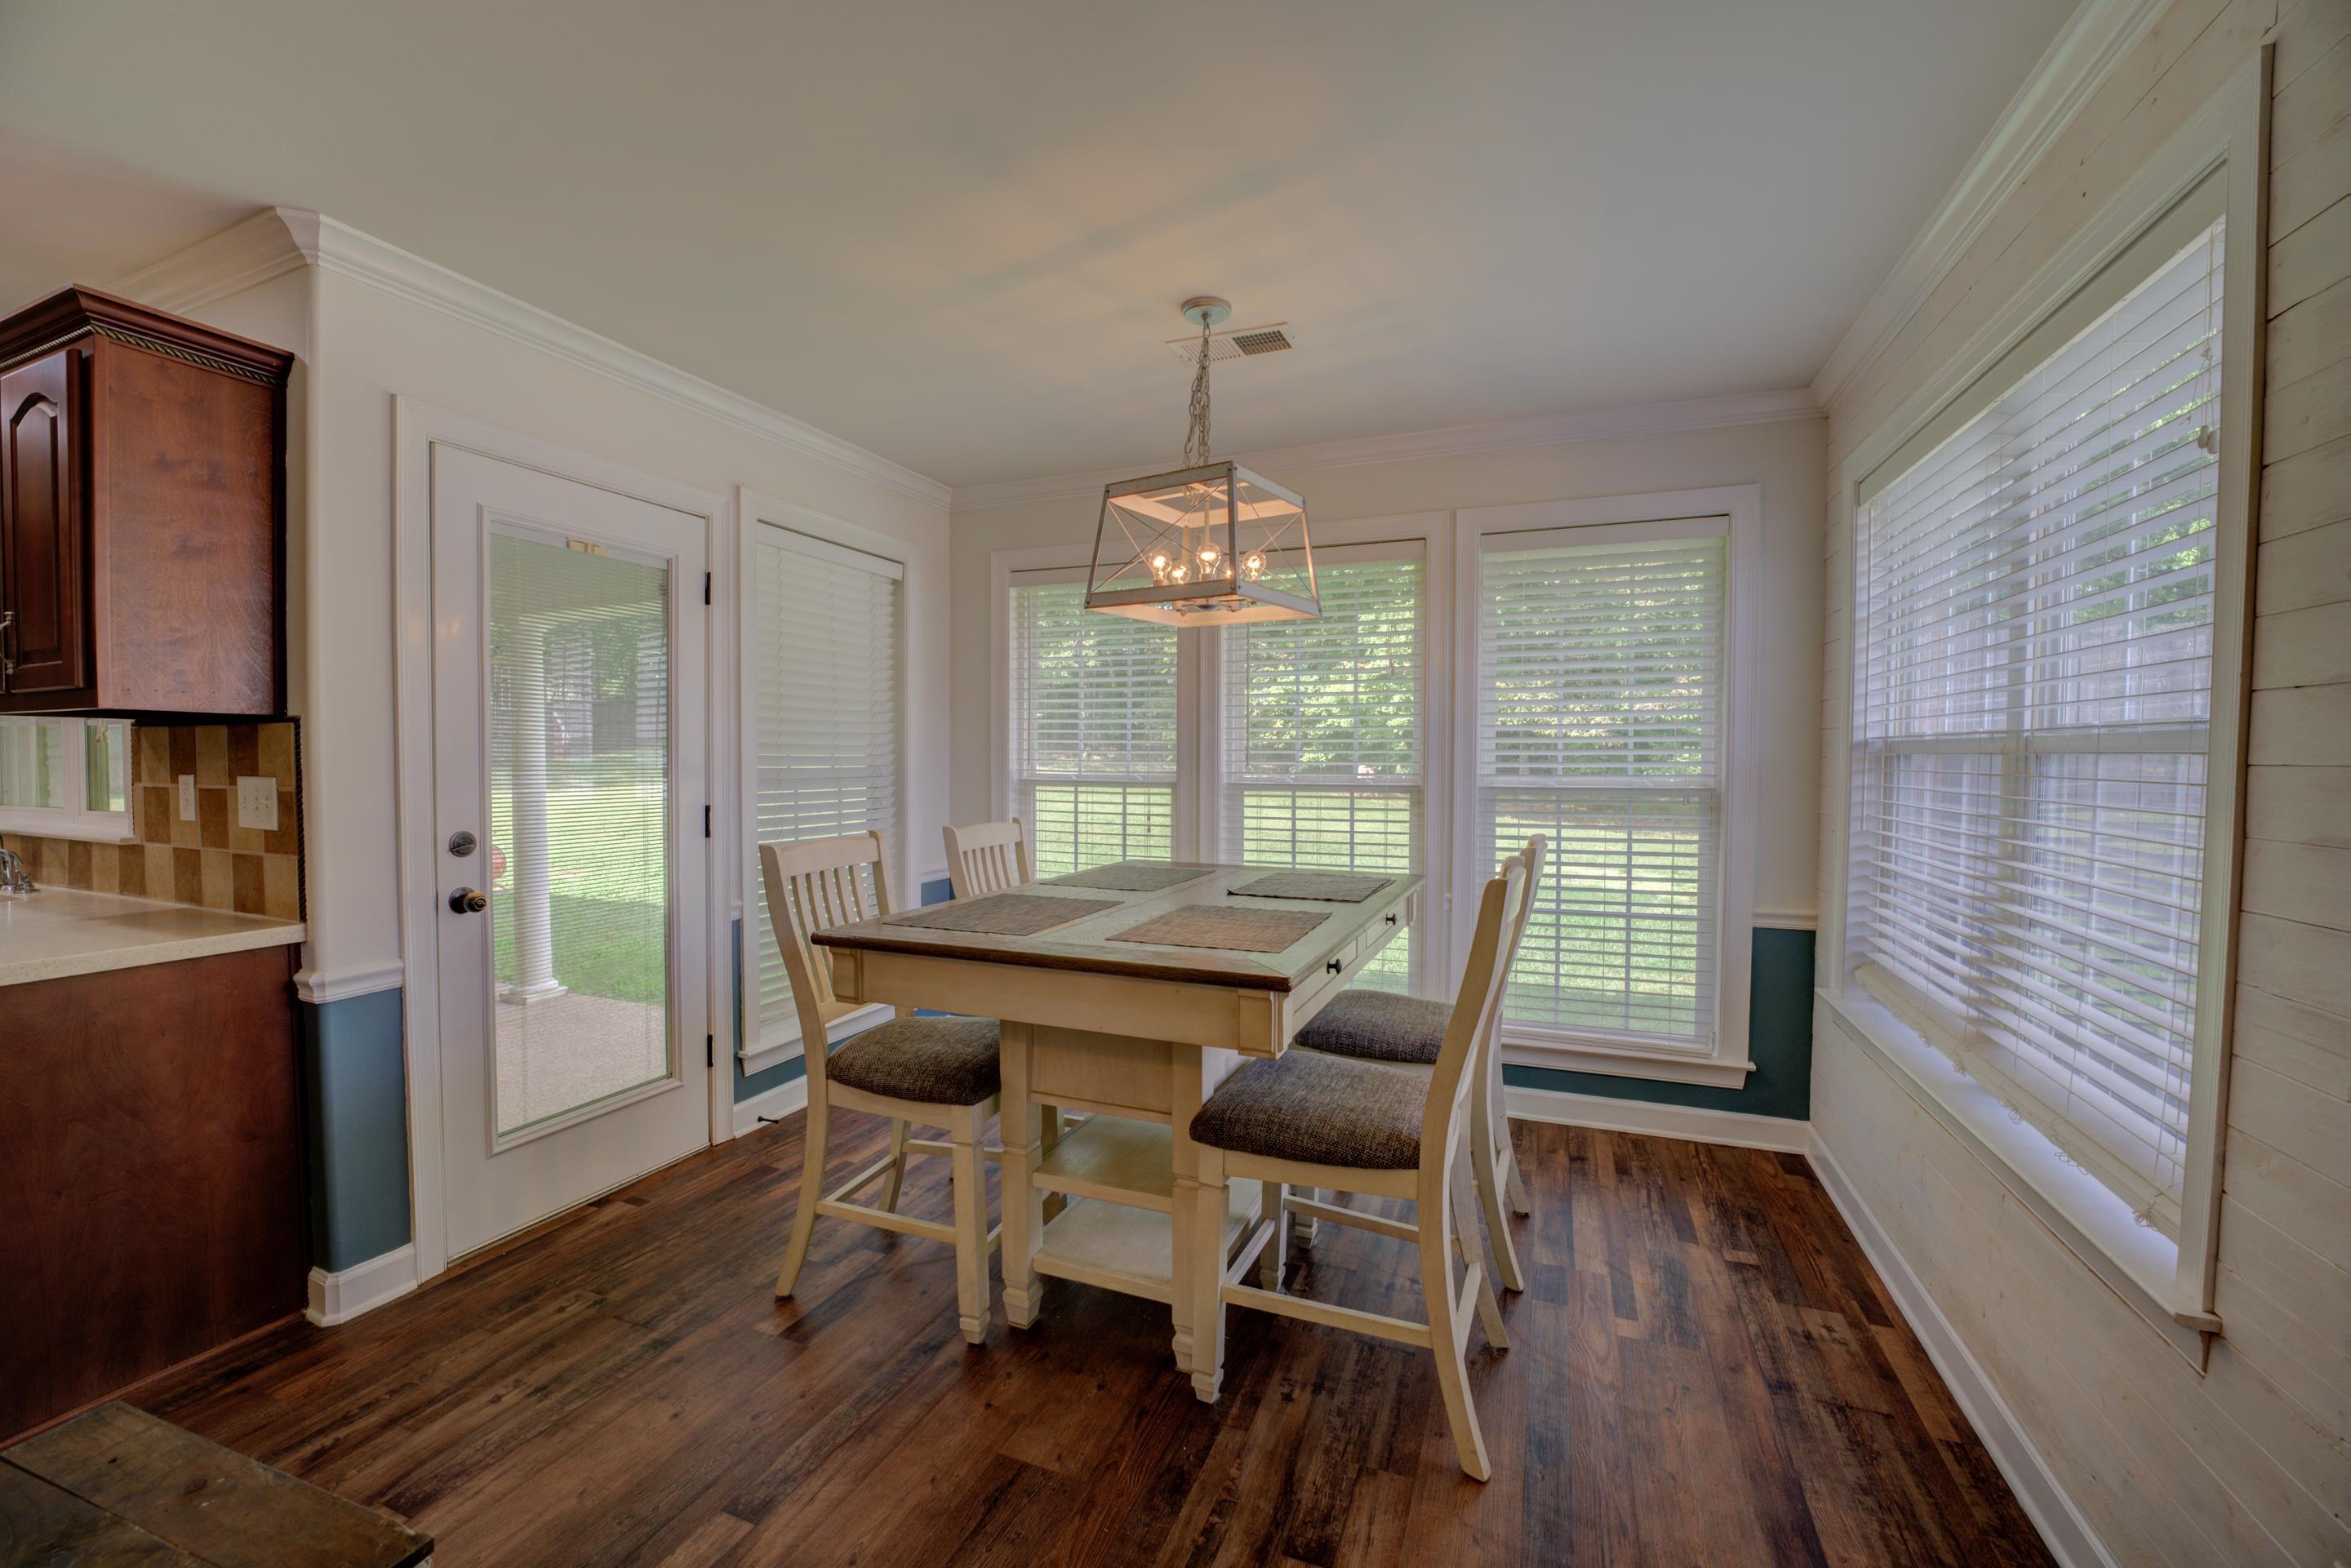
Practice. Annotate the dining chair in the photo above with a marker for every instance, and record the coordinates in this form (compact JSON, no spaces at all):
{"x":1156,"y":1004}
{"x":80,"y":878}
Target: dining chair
{"x":929,"y":1071}
{"x":1307,"y":1119}
{"x":988,"y":857}
{"x":1408,"y":1031}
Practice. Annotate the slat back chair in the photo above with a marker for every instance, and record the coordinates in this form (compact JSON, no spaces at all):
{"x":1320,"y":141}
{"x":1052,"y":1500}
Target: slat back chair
{"x":988,"y":857}
{"x":1306,"y":1119}
{"x":932,"y":1072}
{"x":1407,"y":1032}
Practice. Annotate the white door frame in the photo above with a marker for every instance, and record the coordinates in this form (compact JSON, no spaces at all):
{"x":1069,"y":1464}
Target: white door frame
{"x":416,"y":428}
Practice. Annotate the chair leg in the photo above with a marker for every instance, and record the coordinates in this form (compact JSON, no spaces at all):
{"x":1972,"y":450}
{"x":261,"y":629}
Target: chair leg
{"x":897,"y":1166}
{"x":1304,"y":1225}
{"x":1452,"y":1372}
{"x":1508,"y":1152}
{"x":1050,"y":1133}
{"x":1490,"y":1195}
{"x":1276,"y":1255}
{"x":811,"y":1192}
{"x":1208,"y":1281}
{"x":1465,"y":1234}
{"x":970,"y":1179}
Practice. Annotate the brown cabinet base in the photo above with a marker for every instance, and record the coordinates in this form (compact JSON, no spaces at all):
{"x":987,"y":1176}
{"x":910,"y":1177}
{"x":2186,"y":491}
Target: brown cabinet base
{"x":150,"y":1173}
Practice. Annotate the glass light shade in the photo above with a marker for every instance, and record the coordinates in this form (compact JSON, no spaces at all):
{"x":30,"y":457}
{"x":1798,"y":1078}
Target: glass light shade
{"x":1212,"y":545}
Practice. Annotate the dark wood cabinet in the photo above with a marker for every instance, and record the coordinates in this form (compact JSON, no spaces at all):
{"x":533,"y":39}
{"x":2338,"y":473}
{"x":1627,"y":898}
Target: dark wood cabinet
{"x":151,"y":1166}
{"x":142,"y":490}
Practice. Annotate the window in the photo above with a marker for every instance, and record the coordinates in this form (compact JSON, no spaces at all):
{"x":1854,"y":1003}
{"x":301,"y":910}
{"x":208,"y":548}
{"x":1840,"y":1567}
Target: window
{"x":825,"y":676}
{"x":1093,"y":728}
{"x":1322,"y":740}
{"x":1599,"y":723}
{"x":65,"y":778}
{"x":2032,"y":716}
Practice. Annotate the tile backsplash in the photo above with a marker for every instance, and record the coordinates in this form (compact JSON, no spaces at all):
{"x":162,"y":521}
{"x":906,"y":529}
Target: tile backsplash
{"x":209,"y":861}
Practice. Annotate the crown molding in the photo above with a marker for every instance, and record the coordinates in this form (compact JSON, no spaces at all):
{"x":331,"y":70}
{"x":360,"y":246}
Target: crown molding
{"x":2075,"y":64}
{"x":276,"y":240}
{"x":1461,"y":440}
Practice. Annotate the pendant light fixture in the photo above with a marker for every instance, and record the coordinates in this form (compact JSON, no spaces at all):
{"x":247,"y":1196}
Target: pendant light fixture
{"x":1208,"y":544}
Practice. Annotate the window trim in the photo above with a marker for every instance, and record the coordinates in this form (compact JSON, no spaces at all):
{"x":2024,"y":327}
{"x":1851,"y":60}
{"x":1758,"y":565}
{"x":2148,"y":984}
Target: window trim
{"x":1729,"y":1061}
{"x":825,"y":537}
{"x":2229,"y":133}
{"x":79,"y":822}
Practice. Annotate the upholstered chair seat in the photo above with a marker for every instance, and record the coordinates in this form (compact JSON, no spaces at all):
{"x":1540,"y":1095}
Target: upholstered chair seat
{"x":936,"y":1060}
{"x":1379,"y":1025}
{"x":1319,"y":1110}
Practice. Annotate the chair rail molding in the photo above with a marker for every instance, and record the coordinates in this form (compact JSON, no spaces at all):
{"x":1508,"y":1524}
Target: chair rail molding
{"x":2075,"y":64}
{"x":276,"y":240}
{"x":332,"y":985}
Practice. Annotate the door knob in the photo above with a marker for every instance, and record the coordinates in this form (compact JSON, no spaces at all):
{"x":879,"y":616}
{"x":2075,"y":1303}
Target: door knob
{"x":467,"y":901}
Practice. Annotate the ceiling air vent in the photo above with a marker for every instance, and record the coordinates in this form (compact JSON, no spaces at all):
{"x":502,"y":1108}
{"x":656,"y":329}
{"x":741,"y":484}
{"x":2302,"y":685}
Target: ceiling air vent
{"x":1242,"y":344}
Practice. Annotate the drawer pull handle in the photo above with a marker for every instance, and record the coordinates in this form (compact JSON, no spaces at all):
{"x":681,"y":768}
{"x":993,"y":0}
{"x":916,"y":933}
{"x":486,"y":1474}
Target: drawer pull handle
{"x":1392,"y":918}
{"x":1334,"y":966}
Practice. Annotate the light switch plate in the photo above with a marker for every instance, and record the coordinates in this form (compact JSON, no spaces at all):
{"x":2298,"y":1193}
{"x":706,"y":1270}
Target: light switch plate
{"x":187,"y":797}
{"x":256,"y":802}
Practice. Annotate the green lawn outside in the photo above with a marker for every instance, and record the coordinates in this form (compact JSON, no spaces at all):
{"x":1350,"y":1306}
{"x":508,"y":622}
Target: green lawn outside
{"x":606,"y":845}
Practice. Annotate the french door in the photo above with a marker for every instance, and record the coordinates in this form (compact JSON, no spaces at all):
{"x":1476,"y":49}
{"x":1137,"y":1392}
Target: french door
{"x":568,"y":686}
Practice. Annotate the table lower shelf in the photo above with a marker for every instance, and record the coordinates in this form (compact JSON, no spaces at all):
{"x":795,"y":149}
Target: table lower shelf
{"x":1095,"y":1241}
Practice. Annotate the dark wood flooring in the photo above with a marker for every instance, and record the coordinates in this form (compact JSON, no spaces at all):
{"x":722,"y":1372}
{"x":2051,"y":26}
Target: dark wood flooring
{"x":1703,"y":1369}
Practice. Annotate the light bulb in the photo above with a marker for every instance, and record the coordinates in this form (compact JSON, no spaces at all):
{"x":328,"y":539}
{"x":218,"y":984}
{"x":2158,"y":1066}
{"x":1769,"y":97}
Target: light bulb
{"x":1252,"y":564}
{"x":1208,"y":554}
{"x":1179,"y":572}
{"x":1159,"y":566}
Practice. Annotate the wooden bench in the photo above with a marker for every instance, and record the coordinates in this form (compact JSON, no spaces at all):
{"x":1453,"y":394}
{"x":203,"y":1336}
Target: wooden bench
{"x":117,"y":1488}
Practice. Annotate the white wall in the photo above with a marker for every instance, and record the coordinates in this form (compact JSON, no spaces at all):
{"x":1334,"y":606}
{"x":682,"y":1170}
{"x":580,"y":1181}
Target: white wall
{"x":374,"y":346}
{"x":1787,"y":458}
{"x":2249,"y":1462}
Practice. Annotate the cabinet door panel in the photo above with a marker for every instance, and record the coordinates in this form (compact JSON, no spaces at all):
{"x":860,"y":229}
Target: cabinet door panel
{"x":42,"y":549}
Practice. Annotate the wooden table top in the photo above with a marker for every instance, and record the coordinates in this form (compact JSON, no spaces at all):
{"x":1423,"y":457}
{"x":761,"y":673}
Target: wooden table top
{"x":1085,"y":944}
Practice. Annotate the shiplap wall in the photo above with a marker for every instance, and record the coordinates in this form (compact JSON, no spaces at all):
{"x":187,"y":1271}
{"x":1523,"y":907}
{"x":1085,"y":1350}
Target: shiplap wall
{"x":2249,"y":1462}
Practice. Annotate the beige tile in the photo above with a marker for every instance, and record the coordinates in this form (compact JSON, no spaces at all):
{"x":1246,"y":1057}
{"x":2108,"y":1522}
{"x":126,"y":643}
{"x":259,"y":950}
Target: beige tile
{"x":105,"y":867}
{"x":219,"y":879}
{"x":212,"y":754}
{"x":54,"y":863}
{"x":245,"y":840}
{"x":277,"y":752}
{"x":160,"y":877}
{"x":154,"y":747}
{"x":281,"y":891}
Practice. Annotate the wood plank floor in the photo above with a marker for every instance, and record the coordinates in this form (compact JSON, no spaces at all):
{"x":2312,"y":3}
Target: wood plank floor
{"x":1703,"y":1369}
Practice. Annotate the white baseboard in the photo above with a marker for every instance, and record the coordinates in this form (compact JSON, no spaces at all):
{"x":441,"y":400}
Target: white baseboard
{"x":2062,"y":1529}
{"x":1742,"y":1129}
{"x":340,"y":1297}
{"x":779,"y":1101}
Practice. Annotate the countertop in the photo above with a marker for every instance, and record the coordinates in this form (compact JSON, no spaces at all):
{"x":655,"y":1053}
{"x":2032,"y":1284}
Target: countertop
{"x":56,"y":931}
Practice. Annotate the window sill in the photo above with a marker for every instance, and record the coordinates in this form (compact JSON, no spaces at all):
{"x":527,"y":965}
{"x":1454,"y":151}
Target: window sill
{"x":1528,"y":1049}
{"x":77,"y":827}
{"x":2138,"y":1262}
{"x":786,"y":1046}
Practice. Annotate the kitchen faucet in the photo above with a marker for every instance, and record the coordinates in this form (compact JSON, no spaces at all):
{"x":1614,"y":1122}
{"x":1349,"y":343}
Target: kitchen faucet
{"x":14,"y":877}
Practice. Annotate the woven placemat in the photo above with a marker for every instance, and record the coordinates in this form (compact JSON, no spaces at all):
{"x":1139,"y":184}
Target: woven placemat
{"x":1002,"y":914}
{"x":1331,"y":887}
{"x":1224,"y":925}
{"x":1131,"y":876}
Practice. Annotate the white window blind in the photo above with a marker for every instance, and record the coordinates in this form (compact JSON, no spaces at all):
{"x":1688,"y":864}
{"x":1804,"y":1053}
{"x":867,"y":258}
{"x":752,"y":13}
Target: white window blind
{"x":2031,"y":700}
{"x":1600,"y":723}
{"x":1322,"y":731}
{"x":1093,"y":715}
{"x":825,"y":661}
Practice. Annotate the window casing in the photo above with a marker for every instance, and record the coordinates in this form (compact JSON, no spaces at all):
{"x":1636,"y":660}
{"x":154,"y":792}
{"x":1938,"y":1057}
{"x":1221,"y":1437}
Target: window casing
{"x":2032,"y":715}
{"x":65,"y":778}
{"x":827,"y":644}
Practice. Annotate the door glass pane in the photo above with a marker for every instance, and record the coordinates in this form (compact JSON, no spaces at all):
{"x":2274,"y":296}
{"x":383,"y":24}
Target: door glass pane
{"x":580,"y":690}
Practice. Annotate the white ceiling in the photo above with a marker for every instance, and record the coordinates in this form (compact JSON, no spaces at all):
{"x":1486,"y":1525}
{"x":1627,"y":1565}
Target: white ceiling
{"x":957,"y":233}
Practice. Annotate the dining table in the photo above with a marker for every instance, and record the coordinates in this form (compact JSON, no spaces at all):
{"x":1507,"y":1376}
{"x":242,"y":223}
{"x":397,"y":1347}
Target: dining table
{"x":1125,"y":992}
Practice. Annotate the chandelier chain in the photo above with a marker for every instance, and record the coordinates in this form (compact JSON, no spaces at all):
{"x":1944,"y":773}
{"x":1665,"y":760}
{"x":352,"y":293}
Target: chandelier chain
{"x":1195,"y":437}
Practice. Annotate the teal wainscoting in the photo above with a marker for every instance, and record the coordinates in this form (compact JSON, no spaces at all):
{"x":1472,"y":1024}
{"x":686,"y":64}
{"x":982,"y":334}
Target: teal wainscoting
{"x":749,"y":1083}
{"x":355,"y":1127}
{"x":1780,"y":1042}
